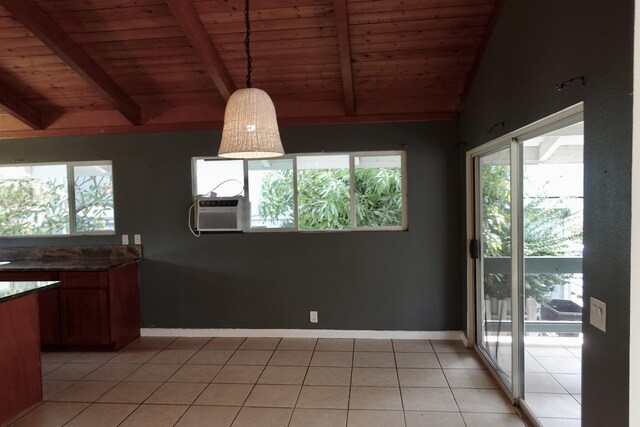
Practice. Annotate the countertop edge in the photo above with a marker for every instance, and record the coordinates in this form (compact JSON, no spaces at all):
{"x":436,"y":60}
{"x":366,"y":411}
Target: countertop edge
{"x":65,"y":265}
{"x":30,"y":291}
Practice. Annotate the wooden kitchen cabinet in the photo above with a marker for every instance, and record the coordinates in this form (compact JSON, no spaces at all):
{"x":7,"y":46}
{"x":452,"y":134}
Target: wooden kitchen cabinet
{"x":91,"y":310}
{"x":99,"y":309}
{"x":36,"y":276}
{"x":48,"y":300}
{"x":84,"y":317}
{"x":20,"y":377}
{"x":84,"y":308}
{"x":49,"y":314}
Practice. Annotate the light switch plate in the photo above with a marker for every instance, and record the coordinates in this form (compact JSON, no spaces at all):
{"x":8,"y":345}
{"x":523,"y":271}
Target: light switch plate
{"x":598,"y":314}
{"x":125,"y":239}
{"x":137,"y":240}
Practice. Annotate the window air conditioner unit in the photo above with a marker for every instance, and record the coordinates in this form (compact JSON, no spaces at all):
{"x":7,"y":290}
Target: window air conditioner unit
{"x":220,"y":213}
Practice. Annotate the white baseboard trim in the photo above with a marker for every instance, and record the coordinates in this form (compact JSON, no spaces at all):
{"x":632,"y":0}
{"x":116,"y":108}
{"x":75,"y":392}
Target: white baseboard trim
{"x":301,"y":333}
{"x":465,"y":340}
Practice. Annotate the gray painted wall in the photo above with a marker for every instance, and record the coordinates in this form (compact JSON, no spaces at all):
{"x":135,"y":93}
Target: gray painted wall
{"x":365,"y":280}
{"x":536,"y":45}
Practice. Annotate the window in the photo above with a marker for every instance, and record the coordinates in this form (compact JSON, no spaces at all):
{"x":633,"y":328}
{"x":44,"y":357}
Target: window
{"x":93,"y":197}
{"x":324,"y":199}
{"x":271,"y":195}
{"x":56,"y":199}
{"x":378,"y":191}
{"x":313,"y":192}
{"x":225,"y":178}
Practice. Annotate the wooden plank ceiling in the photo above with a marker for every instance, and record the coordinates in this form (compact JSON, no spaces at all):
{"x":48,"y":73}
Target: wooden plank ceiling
{"x":70,"y":67}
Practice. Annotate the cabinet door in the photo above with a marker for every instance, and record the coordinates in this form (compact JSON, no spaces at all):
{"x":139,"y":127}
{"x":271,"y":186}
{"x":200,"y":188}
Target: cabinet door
{"x":49,"y":314}
{"x":20,"y":377}
{"x":84,"y":316}
{"x":124,"y":304}
{"x":84,"y":279}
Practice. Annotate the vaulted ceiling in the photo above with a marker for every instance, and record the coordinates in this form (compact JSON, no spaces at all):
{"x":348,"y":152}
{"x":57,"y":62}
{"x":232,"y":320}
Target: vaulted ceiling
{"x":70,"y":67}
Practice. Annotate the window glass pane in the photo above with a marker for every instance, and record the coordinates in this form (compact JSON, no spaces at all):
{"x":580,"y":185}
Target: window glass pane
{"x":34,"y":200}
{"x":323,"y":192}
{"x":494,"y":177}
{"x":223,"y":177}
{"x":271,"y":193}
{"x":93,"y":186}
{"x":378,"y":191}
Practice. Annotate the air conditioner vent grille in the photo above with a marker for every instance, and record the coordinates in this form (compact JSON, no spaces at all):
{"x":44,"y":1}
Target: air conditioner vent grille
{"x":219,"y":214}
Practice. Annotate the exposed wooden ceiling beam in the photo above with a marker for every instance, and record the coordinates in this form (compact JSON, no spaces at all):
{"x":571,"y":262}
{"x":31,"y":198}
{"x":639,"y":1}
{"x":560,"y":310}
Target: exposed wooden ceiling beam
{"x":43,"y":27}
{"x":344,"y":47}
{"x":19,"y":109}
{"x":86,"y":127}
{"x":197,"y":35}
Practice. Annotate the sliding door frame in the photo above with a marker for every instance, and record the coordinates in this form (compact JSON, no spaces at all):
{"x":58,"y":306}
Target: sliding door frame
{"x":513,"y":140}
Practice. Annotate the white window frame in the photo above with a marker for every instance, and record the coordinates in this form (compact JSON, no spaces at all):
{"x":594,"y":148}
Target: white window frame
{"x":294,"y":157}
{"x":71,"y":193}
{"x":352,"y":188}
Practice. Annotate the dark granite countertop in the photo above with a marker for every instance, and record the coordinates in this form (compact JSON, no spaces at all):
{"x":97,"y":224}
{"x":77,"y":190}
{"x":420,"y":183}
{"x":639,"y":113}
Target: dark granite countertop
{"x":77,"y":258}
{"x":11,"y":290}
{"x":90,"y":264}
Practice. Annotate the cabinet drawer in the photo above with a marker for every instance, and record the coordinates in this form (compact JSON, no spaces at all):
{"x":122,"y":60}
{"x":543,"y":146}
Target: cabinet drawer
{"x":29,"y":275}
{"x":84,"y":279}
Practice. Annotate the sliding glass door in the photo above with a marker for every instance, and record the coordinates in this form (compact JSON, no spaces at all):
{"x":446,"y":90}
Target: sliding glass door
{"x":526,"y":251}
{"x":493,"y":247}
{"x":552,"y":213}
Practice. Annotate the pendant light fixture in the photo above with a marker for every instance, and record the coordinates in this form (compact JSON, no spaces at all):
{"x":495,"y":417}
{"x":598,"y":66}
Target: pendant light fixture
{"x":250,"y":129}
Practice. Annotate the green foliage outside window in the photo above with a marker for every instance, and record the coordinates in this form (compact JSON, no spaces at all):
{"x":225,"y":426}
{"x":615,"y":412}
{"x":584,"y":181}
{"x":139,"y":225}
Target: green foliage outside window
{"x":30,"y":206}
{"x":378,"y":197}
{"x":40,"y":206}
{"x":549,"y":229}
{"x":277,"y":197}
{"x":94,"y":203}
{"x":324,"y":200}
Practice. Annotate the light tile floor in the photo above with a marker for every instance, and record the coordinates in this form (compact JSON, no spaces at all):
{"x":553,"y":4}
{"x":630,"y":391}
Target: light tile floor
{"x":553,"y":379}
{"x":222,"y":382}
{"x":553,"y":382}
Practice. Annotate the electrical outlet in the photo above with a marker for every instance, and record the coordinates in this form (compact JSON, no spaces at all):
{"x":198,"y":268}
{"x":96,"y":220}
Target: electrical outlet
{"x":137,"y":240}
{"x":313,"y":316}
{"x":598,"y":314}
{"x":125,"y":239}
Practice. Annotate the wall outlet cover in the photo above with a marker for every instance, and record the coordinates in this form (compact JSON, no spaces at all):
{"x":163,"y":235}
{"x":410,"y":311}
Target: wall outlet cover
{"x":137,"y":240}
{"x":598,"y":314}
{"x":313,"y":316}
{"x":125,"y":239}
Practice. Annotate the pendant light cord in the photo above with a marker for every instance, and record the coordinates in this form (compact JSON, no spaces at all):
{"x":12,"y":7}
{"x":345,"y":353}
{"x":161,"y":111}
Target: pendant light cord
{"x":247,"y":42}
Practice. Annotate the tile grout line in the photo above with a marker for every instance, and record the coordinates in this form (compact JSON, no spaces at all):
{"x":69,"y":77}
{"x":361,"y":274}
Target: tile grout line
{"x":165,"y":381}
{"x":119,"y":382}
{"x":76,"y":382}
{"x":225,"y":364}
{"x":205,"y":387}
{"x":151,"y":394}
{"x":295,"y":405}
{"x":353,"y":356}
{"x":257,"y":379}
{"x":395,"y":362}
{"x":238,"y":347}
{"x":450,"y":388}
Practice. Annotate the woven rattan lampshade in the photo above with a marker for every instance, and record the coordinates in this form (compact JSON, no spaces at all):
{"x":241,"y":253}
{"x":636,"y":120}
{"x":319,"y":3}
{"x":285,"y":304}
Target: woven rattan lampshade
{"x":250,"y":127}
